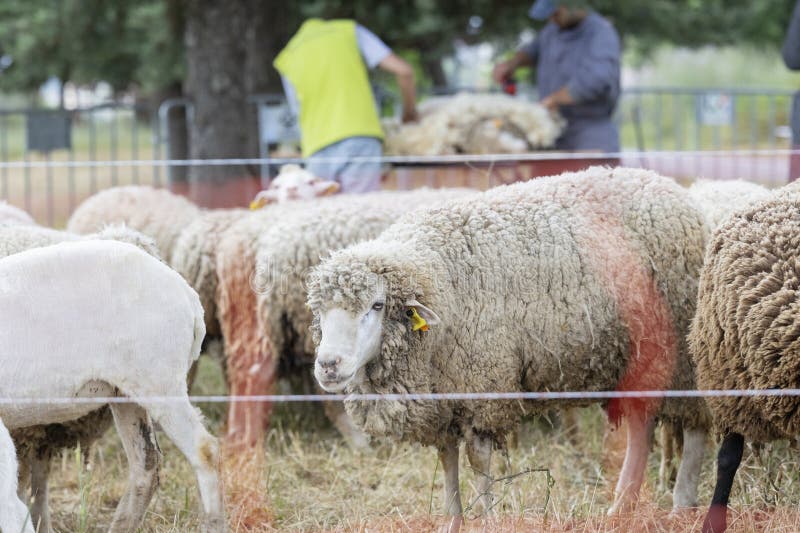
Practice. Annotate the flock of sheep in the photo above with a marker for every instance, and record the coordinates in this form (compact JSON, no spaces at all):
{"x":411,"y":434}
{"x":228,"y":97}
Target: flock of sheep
{"x":602,"y":280}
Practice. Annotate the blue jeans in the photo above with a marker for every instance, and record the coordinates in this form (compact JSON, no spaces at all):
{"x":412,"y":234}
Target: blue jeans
{"x":352,"y":176}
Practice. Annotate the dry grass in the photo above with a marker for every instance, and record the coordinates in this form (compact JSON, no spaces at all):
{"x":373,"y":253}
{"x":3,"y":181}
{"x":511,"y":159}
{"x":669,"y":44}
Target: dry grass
{"x":309,"y":480}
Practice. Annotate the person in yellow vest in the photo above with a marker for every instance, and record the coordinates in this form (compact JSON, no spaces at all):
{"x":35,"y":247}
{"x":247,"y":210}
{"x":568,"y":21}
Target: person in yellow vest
{"x":324,"y":73}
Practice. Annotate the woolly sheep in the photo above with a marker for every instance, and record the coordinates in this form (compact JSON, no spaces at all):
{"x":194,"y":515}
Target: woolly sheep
{"x":584,"y":281}
{"x":286,"y":248}
{"x":475,"y":124}
{"x":13,"y":513}
{"x":744,"y":334}
{"x":717,"y":199}
{"x":82,"y":294}
{"x":37,"y":445}
{"x":14,"y":215}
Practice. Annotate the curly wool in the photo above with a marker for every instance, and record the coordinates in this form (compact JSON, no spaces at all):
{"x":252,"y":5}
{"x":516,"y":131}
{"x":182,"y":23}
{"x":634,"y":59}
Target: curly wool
{"x":14,"y":215}
{"x":194,"y":256}
{"x":157,"y":213}
{"x":747,"y":331}
{"x":718,"y":199}
{"x":534,"y":294}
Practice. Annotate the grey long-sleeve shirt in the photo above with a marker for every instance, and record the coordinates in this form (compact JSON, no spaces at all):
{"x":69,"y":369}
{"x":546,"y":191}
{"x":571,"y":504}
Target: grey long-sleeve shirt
{"x":585,"y":58}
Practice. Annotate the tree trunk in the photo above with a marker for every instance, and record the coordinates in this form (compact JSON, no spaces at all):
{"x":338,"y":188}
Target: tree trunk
{"x":215,"y":54}
{"x":432,"y":65}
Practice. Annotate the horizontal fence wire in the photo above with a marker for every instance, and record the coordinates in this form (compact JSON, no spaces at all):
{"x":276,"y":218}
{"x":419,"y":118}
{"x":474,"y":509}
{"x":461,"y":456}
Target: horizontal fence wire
{"x":415,"y":397}
{"x":421,"y":159}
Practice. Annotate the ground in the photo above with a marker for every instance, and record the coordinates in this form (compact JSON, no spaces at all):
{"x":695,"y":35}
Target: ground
{"x":307,"y":479}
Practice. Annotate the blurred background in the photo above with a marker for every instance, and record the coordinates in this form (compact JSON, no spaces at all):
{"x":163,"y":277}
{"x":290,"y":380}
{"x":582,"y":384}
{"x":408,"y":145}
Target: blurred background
{"x":96,"y":93}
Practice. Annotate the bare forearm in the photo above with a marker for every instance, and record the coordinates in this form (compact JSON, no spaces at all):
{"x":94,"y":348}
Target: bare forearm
{"x":408,"y":94}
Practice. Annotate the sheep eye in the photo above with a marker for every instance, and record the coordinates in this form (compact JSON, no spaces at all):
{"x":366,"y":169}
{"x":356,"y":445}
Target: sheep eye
{"x":377,"y":306}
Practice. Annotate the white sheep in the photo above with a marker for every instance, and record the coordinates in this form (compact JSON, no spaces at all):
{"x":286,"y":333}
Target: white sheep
{"x":294,"y":183}
{"x":95,"y":318}
{"x":717,"y":199}
{"x":13,"y":513}
{"x":474,"y":124}
{"x":583,"y":281}
{"x":14,"y":215}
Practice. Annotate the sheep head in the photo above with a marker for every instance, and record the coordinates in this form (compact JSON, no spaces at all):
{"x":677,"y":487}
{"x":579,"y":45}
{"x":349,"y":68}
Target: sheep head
{"x":364,"y":305}
{"x":293,"y":183}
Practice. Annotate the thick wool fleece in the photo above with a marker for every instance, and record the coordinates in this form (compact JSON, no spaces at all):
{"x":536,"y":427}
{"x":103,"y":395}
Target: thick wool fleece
{"x":718,"y":199}
{"x":583,"y":281}
{"x":194,"y":256}
{"x":155,"y":212}
{"x":746,"y":332}
{"x":14,"y":215}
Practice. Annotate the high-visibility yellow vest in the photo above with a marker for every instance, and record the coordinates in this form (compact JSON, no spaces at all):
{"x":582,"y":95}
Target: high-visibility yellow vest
{"x":325,"y":66}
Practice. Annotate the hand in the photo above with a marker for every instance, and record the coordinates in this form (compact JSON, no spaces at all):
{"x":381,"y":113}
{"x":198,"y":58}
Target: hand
{"x":550,"y":103}
{"x":410,"y":116}
{"x":502,"y":71}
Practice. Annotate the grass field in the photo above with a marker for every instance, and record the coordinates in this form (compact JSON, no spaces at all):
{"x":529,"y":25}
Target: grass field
{"x":307,"y":479}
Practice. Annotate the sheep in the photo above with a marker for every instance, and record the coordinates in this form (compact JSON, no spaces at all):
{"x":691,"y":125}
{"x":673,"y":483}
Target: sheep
{"x":13,"y":513}
{"x":157,"y":213}
{"x":96,"y":303}
{"x":743,"y":335}
{"x":294,"y":183}
{"x":718,"y":199}
{"x":286,"y":248}
{"x":37,"y":445}
{"x":584,"y":281}
{"x":14,"y":215}
{"x":474,"y":124}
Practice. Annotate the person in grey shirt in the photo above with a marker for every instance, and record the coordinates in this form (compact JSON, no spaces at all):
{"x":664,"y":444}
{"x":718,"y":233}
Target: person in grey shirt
{"x":791,"y":58}
{"x":577,"y":60}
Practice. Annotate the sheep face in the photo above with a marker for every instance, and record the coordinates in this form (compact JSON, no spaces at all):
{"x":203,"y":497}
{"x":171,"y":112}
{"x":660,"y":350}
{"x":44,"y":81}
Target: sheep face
{"x":351,"y":335}
{"x":293,"y":183}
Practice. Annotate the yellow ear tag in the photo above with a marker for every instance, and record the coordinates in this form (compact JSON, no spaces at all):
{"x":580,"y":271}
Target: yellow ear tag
{"x":417,"y":322}
{"x":254,"y":205}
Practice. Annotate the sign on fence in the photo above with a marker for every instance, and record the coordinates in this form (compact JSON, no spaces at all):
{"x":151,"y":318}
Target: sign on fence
{"x":277,"y":124}
{"x":715,"y":109}
{"x":48,"y":130}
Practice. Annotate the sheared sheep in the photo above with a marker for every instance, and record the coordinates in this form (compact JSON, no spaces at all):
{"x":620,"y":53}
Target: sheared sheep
{"x":14,"y":215}
{"x":474,"y":124}
{"x":745,"y":333}
{"x":96,"y":302}
{"x":584,"y":281}
{"x":717,"y":199}
{"x":13,"y":513}
{"x":37,"y":445}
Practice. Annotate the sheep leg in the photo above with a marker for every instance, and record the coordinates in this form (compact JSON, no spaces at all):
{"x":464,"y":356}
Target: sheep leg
{"x":40,"y":506}
{"x":667,"y":468}
{"x":183,"y":424}
{"x":139,"y":442}
{"x":479,"y":453}
{"x":250,"y":376}
{"x":633,"y":467}
{"x":694,"y":447}
{"x":335,"y":412}
{"x":728,"y":460}
{"x":448,"y":455}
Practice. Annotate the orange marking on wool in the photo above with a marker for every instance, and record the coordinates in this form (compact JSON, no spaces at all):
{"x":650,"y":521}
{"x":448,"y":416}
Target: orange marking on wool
{"x":645,"y":313}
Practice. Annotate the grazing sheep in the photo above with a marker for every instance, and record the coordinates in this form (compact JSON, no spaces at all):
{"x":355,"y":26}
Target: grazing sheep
{"x":287,"y":248}
{"x":744,"y":335}
{"x":13,"y":513}
{"x":99,"y":304}
{"x":718,"y":199}
{"x":474,"y":124}
{"x":584,"y":281}
{"x":14,"y":215}
{"x":37,"y":445}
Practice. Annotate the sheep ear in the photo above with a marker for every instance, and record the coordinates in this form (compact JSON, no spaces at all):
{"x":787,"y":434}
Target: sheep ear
{"x":325,"y":187}
{"x":263,"y":198}
{"x":425,"y":313}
